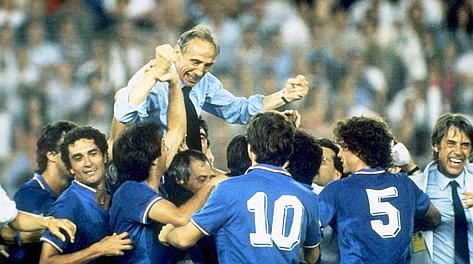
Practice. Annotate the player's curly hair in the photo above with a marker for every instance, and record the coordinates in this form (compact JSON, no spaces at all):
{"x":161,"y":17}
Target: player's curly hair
{"x":368,"y":138}
{"x":135,"y":150}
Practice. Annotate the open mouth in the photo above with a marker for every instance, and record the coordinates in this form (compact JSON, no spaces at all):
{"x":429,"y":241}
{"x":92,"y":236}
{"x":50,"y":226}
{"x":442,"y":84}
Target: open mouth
{"x":90,"y":172}
{"x":192,"y":78}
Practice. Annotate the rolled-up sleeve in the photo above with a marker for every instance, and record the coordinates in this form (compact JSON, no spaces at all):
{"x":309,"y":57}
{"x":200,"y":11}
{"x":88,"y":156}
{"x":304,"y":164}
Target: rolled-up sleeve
{"x":8,"y":209}
{"x":123,"y":110}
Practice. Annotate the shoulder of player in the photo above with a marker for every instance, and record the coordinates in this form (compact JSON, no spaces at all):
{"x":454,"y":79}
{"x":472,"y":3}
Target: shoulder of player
{"x":27,"y":189}
{"x":131,"y":189}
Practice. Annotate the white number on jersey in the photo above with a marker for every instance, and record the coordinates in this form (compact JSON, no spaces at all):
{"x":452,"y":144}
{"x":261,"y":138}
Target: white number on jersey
{"x":377,"y":207}
{"x":258,"y":204}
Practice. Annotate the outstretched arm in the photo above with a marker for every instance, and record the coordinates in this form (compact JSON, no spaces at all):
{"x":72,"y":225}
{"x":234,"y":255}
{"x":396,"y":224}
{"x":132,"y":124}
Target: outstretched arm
{"x":113,"y":245}
{"x":29,"y":222}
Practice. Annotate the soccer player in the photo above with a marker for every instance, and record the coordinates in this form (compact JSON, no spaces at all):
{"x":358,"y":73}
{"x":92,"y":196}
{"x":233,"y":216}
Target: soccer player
{"x":38,"y":194}
{"x":263,"y":216}
{"x":85,"y":201}
{"x":372,"y":210}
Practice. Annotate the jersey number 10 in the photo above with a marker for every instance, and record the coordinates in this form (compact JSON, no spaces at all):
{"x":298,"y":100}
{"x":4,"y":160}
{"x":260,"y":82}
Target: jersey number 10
{"x":258,"y":204}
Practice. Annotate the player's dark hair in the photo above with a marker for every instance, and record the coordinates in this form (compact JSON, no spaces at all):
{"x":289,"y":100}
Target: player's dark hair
{"x":237,"y":156}
{"x":135,"y":150}
{"x":444,"y":122}
{"x":271,"y":137}
{"x":327,"y":143}
{"x":86,"y":132}
{"x":49,"y":141}
{"x":306,"y":157}
{"x":368,"y":138}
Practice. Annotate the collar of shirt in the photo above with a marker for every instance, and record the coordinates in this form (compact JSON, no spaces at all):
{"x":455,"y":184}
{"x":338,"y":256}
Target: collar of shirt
{"x":370,"y":171}
{"x":83,"y":189}
{"x":42,"y":184}
{"x":268,"y":167}
{"x":443,"y":180}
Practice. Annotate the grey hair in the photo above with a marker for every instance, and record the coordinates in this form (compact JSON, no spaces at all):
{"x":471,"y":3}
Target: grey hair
{"x":201,"y":32}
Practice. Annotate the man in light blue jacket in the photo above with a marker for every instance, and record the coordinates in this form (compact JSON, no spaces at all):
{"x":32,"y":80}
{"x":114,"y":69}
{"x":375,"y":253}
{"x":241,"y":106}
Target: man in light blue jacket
{"x":450,"y":172}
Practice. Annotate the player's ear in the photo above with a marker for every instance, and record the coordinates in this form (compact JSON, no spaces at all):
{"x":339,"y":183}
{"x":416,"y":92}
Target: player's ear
{"x":251,"y":155}
{"x":436,"y":148}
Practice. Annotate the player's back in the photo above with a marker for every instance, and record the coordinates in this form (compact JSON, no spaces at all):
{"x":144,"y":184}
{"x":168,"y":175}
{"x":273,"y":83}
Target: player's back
{"x":267,"y":217}
{"x":373,"y":212}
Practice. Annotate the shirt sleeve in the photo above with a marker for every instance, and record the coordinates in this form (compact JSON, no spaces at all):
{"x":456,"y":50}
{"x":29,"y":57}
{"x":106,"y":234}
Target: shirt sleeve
{"x":59,"y":210}
{"x":234,"y":110}
{"x":214,"y":213}
{"x":328,"y":203}
{"x":123,"y":110}
{"x":422,"y":201}
{"x":8,"y":210}
{"x":137,"y":202}
{"x":313,"y":229}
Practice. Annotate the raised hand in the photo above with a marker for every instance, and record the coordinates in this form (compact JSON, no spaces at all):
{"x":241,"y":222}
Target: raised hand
{"x":295,"y":89}
{"x":161,"y":66}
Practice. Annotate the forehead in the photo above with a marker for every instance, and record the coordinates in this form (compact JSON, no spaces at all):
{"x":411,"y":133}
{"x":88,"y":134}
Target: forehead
{"x":454,"y":133}
{"x":200,"y":168}
{"x":82,"y":145}
{"x":202,"y":49}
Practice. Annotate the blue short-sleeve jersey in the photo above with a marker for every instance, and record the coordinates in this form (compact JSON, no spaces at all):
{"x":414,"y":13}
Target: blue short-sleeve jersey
{"x":129,"y":213}
{"x":373,"y":212}
{"x":34,"y":196}
{"x":77,"y":203}
{"x":263,"y":216}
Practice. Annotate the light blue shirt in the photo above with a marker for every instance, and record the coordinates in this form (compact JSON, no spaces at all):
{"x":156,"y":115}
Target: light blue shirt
{"x":440,"y":193}
{"x":207,"y":95}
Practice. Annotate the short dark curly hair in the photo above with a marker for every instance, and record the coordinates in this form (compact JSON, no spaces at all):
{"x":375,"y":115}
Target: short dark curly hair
{"x":135,"y":150}
{"x":49,"y":141}
{"x":305,"y":160}
{"x":86,"y":132}
{"x":368,"y":138}
{"x":271,"y":137}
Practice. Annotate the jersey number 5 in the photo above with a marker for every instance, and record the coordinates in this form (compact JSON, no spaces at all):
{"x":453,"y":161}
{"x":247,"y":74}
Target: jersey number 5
{"x":377,"y":207}
{"x":258,"y":204}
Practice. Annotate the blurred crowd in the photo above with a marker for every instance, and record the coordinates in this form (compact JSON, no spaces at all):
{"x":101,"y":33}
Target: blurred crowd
{"x":407,"y":61}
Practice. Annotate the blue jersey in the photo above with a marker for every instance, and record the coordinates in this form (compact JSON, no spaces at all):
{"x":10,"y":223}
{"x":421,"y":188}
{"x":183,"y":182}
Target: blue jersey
{"x":129,"y":212}
{"x":35,"y":197}
{"x":263,"y":216}
{"x":373,"y":212}
{"x":77,"y":203}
